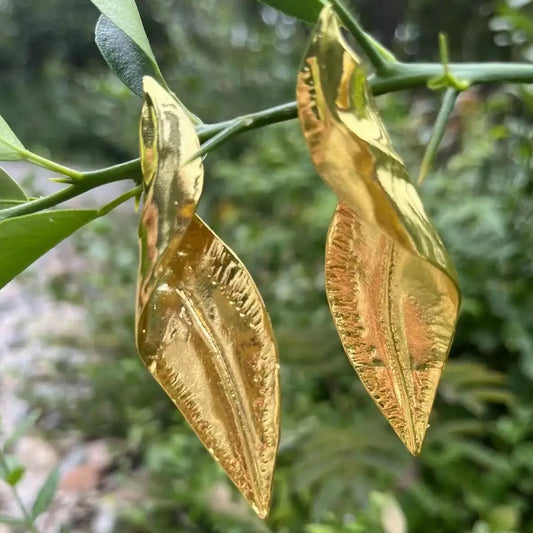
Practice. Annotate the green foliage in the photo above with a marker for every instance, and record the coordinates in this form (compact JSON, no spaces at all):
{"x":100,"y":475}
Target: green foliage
{"x":422,"y":20}
{"x":21,"y":429}
{"x":46,"y":494}
{"x":383,"y":515}
{"x":10,"y":145}
{"x":307,"y":10}
{"x":124,"y":56}
{"x":33,"y":235}
{"x":124,"y":14}
{"x":14,"y":475}
{"x":335,"y":448}
{"x":10,"y":521}
{"x":12,"y":472}
{"x":512,"y":26}
{"x":10,"y":192}
{"x":340,"y":467}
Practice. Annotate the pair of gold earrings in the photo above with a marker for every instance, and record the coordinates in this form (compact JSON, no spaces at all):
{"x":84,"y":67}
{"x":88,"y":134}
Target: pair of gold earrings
{"x":202,"y":329}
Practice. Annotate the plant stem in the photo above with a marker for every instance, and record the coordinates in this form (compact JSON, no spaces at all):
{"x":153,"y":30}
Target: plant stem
{"x":377,"y":58}
{"x":90,"y":181}
{"x":42,"y":161}
{"x":398,"y":76}
{"x":446,"y":109}
{"x":136,"y":191}
{"x":280,"y":113}
{"x":237,"y":126}
{"x":51,"y":165}
{"x":122,"y":171}
{"x":403,"y":76}
{"x":28,"y":522}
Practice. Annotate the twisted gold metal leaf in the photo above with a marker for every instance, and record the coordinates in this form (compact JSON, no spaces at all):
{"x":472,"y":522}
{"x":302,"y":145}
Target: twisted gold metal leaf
{"x":391,"y":286}
{"x":202,"y":329}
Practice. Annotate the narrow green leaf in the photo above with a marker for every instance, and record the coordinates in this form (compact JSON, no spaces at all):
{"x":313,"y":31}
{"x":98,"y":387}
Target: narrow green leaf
{"x":26,"y":238}
{"x":46,"y":494}
{"x":11,"y":520}
{"x":10,"y":191}
{"x":307,"y":10}
{"x":9,"y":463}
{"x":21,"y":429}
{"x":15,"y":475}
{"x":447,"y":107}
{"x":9,"y":143}
{"x":125,"y":58}
{"x":124,"y":14}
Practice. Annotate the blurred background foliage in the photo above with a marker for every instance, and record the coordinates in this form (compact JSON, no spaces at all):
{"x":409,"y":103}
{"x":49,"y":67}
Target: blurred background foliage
{"x":340,"y":467}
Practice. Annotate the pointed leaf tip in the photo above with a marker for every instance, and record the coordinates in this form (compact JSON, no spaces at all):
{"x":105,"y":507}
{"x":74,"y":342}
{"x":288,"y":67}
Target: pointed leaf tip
{"x":391,"y":286}
{"x":10,"y":191}
{"x":46,"y":493}
{"x":125,"y":15}
{"x":395,"y":314}
{"x":202,"y":329}
{"x":10,"y":145}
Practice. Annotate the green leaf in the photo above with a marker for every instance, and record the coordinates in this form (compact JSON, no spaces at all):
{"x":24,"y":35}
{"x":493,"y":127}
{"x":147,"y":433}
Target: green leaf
{"x":10,"y":145}
{"x":307,"y":10}
{"x":124,"y":14}
{"x":15,"y":475}
{"x":21,"y":428}
{"x":46,"y":494}
{"x":26,"y":238}
{"x":11,"y":520}
{"x":9,"y":464}
{"x":10,"y":192}
{"x":125,"y":58}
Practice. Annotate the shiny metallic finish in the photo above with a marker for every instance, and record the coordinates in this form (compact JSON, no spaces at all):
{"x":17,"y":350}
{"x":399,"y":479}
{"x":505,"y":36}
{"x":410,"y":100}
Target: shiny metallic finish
{"x":171,"y":189}
{"x":391,"y":286}
{"x":395,"y":314}
{"x":202,"y":328}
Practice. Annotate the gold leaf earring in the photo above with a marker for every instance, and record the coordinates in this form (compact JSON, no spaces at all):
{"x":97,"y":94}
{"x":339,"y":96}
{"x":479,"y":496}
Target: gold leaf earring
{"x":202,"y":329}
{"x":391,"y":287}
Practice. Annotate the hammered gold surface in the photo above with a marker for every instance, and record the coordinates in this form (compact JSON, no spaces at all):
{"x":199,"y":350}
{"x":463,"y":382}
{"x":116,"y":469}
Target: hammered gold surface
{"x":202,"y":329}
{"x":395,"y":314}
{"x":391,"y":286}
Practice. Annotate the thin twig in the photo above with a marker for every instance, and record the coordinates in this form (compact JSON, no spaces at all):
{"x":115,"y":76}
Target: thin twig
{"x":399,"y":76}
{"x":86,"y":184}
{"x":238,"y":126}
{"x":132,"y":193}
{"x":446,"y":109}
